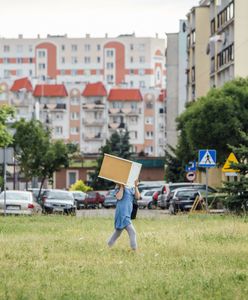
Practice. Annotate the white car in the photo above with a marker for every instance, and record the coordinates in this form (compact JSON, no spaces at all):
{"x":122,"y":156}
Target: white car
{"x":145,"y":200}
{"x":19,"y":203}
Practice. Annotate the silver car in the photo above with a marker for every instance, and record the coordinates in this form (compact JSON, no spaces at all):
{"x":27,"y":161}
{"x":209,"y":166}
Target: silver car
{"x":19,"y":202}
{"x":145,"y":200}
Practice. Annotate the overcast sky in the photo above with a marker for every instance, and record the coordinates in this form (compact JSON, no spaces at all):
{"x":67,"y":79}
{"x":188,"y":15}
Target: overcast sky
{"x":96,"y":17}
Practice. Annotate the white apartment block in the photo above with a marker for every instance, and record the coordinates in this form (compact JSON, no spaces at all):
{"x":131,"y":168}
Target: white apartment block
{"x":83,"y":89}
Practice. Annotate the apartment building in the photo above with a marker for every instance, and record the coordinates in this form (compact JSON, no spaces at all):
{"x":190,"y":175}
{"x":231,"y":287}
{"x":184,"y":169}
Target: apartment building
{"x":198,"y":68}
{"x":75,"y":85}
{"x":176,"y":64}
{"x":126,"y":60}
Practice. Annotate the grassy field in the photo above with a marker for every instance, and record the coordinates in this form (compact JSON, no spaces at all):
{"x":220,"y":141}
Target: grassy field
{"x":179,"y":257}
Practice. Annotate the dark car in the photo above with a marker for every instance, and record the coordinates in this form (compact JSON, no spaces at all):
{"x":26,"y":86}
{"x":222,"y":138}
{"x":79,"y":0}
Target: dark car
{"x":79,"y":198}
{"x":94,"y":199}
{"x":59,"y":201}
{"x":164,"y":197}
{"x":110,"y":199}
{"x":182,"y":199}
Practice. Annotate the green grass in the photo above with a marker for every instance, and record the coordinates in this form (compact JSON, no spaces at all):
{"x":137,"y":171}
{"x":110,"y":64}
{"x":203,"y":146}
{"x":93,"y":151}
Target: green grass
{"x":181,"y":257}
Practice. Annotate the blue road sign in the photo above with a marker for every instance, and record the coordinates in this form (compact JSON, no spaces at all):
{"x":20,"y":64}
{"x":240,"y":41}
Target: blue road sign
{"x":191,"y":166}
{"x":207,"y":158}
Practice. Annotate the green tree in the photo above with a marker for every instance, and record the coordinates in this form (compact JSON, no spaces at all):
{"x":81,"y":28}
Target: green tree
{"x":6,"y":113}
{"x":213,"y":122}
{"x":117,"y":145}
{"x":174,"y":172}
{"x":237,"y":199}
{"x":37,"y":154}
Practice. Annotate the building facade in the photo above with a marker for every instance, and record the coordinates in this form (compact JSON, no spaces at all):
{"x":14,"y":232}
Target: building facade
{"x":176,"y":64}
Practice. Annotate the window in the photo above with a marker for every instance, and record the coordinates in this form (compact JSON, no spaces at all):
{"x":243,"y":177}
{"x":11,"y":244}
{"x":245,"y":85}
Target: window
{"x":131,"y":83}
{"x":74,"y":60}
{"x":74,"y":130}
{"x":6,"y":48}
{"x":131,"y":47}
{"x":149,"y":120}
{"x":225,"y":15}
{"x":142,"y":59}
{"x":149,"y":105}
{"x":110,"y":65}
{"x":41,"y":53}
{"x":213,"y":27}
{"x":110,"y":53}
{"x":110,"y":78}
{"x":225,"y":56}
{"x":131,"y":59}
{"x":193,"y":37}
{"x":59,"y":116}
{"x":30,"y":60}
{"x":98,"y":47}
{"x":19,"y":60}
{"x":142,"y":47}
{"x":87,"y":47}
{"x":131,"y":71}
{"x":72,"y":178}
{"x":74,"y":115}
{"x":193,"y":74}
{"x":63,"y":47}
{"x":41,"y":66}
{"x":87,"y":60}
{"x":75,"y":101}
{"x":98,"y":59}
{"x":142,"y":84}
{"x":149,"y":135}
{"x":30,"y":48}
{"x":74,"y":72}
{"x":30,"y":73}
{"x":58,"y":130}
{"x":74,"y":48}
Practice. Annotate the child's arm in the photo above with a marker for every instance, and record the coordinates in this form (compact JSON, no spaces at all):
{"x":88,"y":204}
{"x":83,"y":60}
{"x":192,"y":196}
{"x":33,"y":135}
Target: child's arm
{"x":136,"y":190}
{"x":119,"y":194}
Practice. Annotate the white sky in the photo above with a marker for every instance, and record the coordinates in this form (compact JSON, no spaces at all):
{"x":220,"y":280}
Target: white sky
{"x":96,"y":17}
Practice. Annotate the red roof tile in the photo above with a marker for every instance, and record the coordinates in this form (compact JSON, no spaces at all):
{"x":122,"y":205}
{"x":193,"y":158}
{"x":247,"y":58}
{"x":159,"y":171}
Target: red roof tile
{"x":125,"y":95}
{"x":162,"y":95}
{"x":50,"y":90}
{"x":22,"y":83}
{"x":94,"y":90}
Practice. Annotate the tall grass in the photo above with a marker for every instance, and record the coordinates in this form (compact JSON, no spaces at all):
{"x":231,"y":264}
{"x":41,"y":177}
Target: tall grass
{"x":182,"y":257}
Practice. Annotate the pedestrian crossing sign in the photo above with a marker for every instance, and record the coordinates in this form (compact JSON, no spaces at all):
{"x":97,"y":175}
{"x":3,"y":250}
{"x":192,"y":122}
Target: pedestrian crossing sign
{"x":207,"y":158}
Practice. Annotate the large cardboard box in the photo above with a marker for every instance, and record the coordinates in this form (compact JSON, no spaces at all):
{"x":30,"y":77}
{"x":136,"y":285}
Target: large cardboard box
{"x":119,"y":170}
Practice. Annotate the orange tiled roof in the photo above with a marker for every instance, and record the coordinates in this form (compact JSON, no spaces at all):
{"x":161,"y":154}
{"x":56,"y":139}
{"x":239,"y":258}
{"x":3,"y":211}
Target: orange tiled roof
{"x":125,"y":95}
{"x":50,"y":90}
{"x":22,"y":83}
{"x":162,"y":95}
{"x":94,"y":89}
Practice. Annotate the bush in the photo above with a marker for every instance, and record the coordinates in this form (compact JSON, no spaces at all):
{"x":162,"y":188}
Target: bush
{"x":80,"y":186}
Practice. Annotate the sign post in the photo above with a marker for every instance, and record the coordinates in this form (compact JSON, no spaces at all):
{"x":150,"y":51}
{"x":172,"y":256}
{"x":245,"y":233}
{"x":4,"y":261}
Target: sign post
{"x":207,"y":159}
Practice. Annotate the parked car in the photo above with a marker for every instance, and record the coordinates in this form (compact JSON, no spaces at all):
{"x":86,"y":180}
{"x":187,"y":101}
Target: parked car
{"x":163,"y":198}
{"x":146,"y":199}
{"x":35,"y":192}
{"x":94,"y":199}
{"x":79,"y":198}
{"x":110,"y":199}
{"x":182,"y":199}
{"x":19,"y":202}
{"x":58,"y":201}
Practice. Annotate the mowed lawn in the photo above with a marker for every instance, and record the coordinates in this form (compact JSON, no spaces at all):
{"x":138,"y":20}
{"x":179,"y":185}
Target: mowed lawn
{"x":179,"y":257}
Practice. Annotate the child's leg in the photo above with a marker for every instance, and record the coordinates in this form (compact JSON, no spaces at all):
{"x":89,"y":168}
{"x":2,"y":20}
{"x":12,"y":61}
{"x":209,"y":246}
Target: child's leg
{"x":114,"y":237}
{"x":132,"y":236}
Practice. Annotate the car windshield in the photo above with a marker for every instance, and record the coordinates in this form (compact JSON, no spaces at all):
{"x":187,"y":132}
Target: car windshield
{"x":15,"y":196}
{"x":187,"y":194}
{"x":60,"y":195}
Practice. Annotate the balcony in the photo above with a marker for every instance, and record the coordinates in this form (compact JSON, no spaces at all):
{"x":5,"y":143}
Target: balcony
{"x":94,"y":137}
{"x":94,"y":122}
{"x":93,"y":107}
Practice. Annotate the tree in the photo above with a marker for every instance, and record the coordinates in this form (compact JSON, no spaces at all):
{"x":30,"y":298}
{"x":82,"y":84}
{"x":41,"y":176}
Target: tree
{"x":214,"y":121}
{"x":6,"y":113}
{"x":38,"y":156}
{"x":173,"y":170}
{"x":117,"y":145}
{"x":237,"y":199}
